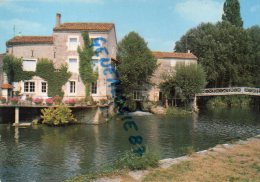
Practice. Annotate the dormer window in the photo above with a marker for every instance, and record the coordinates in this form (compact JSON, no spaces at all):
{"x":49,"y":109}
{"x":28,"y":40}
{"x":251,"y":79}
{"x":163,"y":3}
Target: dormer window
{"x":73,"y":43}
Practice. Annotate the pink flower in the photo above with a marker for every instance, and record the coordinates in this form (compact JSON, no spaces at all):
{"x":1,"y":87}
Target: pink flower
{"x":70,"y":101}
{"x":37,"y":100}
{"x":49,"y":101}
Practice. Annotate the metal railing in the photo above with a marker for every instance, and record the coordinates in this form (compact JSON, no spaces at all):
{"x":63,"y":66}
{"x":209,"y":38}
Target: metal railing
{"x":230,"y":91}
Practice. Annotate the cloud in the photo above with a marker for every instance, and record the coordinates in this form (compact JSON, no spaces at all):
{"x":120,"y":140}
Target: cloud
{"x":199,"y":11}
{"x":23,"y":26}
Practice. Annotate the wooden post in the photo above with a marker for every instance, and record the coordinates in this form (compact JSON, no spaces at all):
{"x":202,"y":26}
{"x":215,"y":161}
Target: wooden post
{"x":16,"y":115}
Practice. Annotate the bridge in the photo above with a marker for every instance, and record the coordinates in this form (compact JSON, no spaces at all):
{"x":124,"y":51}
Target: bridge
{"x":230,"y":91}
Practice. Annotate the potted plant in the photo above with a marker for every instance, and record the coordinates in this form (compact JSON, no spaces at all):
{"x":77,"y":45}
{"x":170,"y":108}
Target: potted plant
{"x":2,"y":100}
{"x":38,"y":101}
{"x":14,"y":100}
{"x":103,"y":101}
{"x":49,"y":101}
{"x":70,"y":102}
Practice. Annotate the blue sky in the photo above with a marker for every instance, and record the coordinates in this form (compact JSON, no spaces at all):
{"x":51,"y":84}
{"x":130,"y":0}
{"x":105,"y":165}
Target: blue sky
{"x":160,"y":22}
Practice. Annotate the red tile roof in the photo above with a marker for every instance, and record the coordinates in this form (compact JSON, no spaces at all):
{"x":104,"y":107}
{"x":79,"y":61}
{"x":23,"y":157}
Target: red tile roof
{"x":30,"y":40}
{"x":181,"y":55}
{"x":6,"y":86}
{"x":85,"y":26}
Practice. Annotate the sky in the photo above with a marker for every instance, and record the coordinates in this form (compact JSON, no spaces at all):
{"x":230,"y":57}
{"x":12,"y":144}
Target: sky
{"x":160,"y":22}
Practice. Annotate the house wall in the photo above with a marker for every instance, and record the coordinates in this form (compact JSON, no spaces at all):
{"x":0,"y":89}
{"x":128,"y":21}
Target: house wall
{"x":166,"y":66}
{"x":39,"y":51}
{"x":60,"y":53}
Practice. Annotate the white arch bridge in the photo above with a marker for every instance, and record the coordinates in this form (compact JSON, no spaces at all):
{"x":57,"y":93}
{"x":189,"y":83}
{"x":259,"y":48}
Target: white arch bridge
{"x":230,"y":91}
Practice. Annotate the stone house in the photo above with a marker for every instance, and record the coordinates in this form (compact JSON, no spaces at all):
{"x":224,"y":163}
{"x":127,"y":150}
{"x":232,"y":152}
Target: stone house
{"x":61,"y":48}
{"x":167,"y":62}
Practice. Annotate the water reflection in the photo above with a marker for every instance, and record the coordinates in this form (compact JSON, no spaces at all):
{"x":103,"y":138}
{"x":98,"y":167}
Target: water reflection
{"x":47,"y":152}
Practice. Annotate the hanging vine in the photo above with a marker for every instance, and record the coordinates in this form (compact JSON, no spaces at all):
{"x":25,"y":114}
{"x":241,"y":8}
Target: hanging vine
{"x":85,"y":65}
{"x":55,"y":78}
{"x":13,"y":67}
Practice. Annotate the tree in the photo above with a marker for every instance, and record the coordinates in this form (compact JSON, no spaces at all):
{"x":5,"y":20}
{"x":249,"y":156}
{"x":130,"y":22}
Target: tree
{"x":254,"y":42}
{"x":232,"y":13}
{"x":85,"y":66}
{"x":223,"y":51}
{"x":190,"y":79}
{"x":137,"y":64}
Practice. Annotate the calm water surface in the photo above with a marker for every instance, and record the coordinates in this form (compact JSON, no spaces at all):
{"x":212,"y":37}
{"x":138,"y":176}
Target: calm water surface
{"x":44,"y":153}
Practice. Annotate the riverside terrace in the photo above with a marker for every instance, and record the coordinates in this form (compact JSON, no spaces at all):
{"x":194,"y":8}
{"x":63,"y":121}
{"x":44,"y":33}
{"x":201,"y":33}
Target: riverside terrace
{"x":101,"y":109}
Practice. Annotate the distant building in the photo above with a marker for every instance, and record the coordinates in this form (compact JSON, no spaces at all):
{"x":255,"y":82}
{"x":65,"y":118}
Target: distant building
{"x":61,"y":47}
{"x":167,"y":62}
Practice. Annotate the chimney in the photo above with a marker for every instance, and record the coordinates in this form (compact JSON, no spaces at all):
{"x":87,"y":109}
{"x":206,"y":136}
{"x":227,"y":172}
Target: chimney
{"x":58,"y":16}
{"x":188,"y":51}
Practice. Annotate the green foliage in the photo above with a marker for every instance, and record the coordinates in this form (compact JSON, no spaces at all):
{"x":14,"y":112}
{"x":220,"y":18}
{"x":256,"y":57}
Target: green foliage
{"x":132,"y":161}
{"x":232,"y":13}
{"x":254,"y":42}
{"x":57,"y":116}
{"x":13,"y":67}
{"x":175,"y":111}
{"x":230,"y":101}
{"x":137,"y":63}
{"x":223,"y":51}
{"x":85,"y":66}
{"x":55,"y":78}
{"x":190,"y":79}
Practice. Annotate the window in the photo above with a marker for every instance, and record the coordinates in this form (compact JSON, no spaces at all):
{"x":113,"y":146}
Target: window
{"x":44,"y":87}
{"x":29,"y":65}
{"x":29,"y":87}
{"x":73,"y":65}
{"x":72,"y":87}
{"x":94,"y":87}
{"x":95,"y":64}
{"x":73,"y":43}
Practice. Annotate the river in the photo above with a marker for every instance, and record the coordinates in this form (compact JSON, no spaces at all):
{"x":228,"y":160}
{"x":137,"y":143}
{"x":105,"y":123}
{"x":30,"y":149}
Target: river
{"x":43,"y":153}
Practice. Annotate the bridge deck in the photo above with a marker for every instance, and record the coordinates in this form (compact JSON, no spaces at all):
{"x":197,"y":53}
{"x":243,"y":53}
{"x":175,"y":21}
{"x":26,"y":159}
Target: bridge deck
{"x":230,"y":91}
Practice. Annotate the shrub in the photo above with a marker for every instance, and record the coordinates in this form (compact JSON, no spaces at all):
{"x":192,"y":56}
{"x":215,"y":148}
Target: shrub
{"x":61,"y":115}
{"x":173,"y":111}
{"x":38,"y":101}
{"x":2,"y":100}
{"x":133,"y":161}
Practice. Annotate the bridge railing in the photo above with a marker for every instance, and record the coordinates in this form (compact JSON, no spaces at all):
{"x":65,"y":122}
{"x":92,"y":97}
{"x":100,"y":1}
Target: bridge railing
{"x":230,"y":90}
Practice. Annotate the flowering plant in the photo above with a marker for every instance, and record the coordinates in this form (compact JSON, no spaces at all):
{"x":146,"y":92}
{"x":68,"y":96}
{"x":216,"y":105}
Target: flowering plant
{"x":57,"y":99}
{"x":71,"y":102}
{"x":49,"y":101}
{"x":38,"y":101}
{"x":14,"y":100}
{"x":103,"y":101}
{"x":3,"y":100}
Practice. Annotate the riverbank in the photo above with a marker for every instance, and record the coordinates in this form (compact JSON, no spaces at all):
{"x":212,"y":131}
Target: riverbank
{"x":239,"y":161}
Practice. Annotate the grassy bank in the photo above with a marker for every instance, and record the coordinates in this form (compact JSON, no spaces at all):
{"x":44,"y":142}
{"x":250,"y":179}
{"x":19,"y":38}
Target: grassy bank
{"x":238,"y":163}
{"x":126,"y":162}
{"x":176,"y":111}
